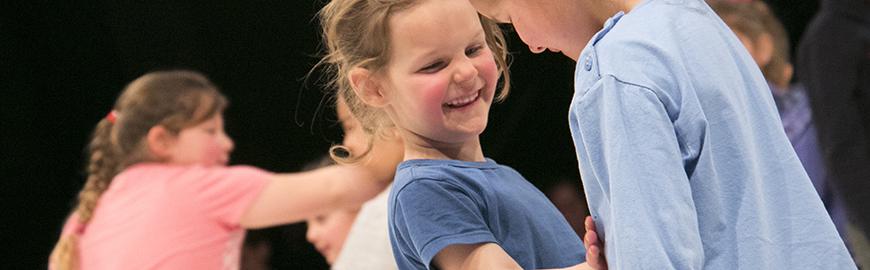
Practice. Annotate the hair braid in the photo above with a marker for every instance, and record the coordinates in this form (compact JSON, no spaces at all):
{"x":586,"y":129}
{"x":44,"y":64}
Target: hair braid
{"x":102,"y":167}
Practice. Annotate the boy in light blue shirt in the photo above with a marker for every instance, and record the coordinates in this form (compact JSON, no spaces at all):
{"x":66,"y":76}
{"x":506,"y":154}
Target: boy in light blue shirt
{"x":684,"y":161}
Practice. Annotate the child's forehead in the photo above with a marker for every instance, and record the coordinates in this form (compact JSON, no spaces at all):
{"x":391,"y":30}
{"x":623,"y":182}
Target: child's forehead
{"x":431,"y":23}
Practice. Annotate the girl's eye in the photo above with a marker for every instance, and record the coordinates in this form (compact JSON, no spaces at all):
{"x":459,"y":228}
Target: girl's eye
{"x":434,"y":67}
{"x":211,"y":131}
{"x":473,"y":51}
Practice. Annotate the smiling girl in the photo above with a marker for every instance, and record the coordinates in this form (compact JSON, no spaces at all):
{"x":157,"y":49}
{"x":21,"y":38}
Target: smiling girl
{"x":430,"y":68}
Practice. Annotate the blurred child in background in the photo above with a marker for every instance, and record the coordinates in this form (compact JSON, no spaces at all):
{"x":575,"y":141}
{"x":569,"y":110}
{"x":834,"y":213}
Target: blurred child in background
{"x":159,"y":193}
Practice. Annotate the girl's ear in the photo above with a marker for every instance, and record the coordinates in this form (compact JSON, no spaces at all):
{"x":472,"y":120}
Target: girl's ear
{"x":367,"y":87}
{"x":160,"y":142}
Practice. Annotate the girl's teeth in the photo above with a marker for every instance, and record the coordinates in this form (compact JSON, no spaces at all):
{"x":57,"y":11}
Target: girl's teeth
{"x":462,"y":101}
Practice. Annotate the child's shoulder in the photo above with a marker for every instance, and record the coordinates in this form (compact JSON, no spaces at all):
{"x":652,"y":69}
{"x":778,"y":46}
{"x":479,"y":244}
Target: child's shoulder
{"x":453,"y":174}
{"x":410,"y":171}
{"x":655,"y":43}
{"x":426,"y":167}
{"x":659,"y":26}
{"x":154,"y":168}
{"x":190,"y":174}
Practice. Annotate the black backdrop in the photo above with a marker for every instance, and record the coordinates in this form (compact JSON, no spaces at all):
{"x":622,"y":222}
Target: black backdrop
{"x":62,"y":63}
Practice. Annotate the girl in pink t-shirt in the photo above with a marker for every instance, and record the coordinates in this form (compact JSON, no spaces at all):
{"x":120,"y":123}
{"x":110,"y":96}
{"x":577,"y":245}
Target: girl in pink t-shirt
{"x":160,"y":196}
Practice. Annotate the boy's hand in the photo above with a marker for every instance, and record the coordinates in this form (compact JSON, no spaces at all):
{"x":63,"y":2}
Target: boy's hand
{"x":594,"y":247}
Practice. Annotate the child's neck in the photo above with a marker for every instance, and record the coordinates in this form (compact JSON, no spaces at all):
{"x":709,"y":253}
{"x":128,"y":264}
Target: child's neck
{"x":423,"y":148}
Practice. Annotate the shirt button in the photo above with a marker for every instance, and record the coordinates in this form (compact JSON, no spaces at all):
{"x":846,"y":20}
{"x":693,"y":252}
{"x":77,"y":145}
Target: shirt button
{"x":588,"y":64}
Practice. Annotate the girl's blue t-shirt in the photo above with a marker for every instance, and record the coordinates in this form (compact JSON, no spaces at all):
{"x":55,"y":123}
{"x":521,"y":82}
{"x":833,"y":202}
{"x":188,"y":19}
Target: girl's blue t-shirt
{"x":438,"y":203}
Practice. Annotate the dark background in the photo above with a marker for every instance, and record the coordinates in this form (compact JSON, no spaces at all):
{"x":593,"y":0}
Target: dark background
{"x":62,"y":64}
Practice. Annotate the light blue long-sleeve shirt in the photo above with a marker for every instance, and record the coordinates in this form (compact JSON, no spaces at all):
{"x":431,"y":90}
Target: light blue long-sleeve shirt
{"x":684,"y":160}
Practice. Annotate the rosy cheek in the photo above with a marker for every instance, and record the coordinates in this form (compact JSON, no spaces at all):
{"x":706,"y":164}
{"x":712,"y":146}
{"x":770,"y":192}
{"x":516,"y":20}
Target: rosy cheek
{"x":490,"y":73}
{"x":487,"y":69}
{"x":214,"y":151}
{"x":431,"y":92}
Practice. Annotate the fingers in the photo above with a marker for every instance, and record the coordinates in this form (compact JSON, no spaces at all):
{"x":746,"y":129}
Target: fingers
{"x":591,"y":236}
{"x":594,"y":256}
{"x":589,"y":224}
{"x":591,"y":239}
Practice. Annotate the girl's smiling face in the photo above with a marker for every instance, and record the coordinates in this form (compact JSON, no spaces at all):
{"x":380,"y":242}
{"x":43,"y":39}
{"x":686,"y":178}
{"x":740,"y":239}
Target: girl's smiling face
{"x":441,"y":77}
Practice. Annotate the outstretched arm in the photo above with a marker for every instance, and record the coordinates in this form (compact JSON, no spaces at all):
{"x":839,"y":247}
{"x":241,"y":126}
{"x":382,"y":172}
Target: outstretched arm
{"x":293,"y":197}
{"x":484,"y":256}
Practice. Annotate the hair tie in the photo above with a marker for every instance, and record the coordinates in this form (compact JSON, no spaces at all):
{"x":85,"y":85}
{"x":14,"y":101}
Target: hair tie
{"x":112,"y":116}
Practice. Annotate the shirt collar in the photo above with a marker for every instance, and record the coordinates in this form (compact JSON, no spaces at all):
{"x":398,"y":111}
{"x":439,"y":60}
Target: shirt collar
{"x":609,"y":24}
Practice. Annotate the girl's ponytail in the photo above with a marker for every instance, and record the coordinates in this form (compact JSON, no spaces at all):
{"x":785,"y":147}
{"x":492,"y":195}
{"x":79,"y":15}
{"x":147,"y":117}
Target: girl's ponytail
{"x":103,"y":165}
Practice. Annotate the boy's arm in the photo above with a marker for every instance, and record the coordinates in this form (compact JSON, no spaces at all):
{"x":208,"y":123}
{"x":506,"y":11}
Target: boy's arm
{"x":474,"y":256}
{"x":641,"y":193}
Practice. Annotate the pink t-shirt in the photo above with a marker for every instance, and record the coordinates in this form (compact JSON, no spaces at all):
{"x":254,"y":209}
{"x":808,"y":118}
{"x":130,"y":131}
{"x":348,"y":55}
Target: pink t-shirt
{"x":159,"y":216}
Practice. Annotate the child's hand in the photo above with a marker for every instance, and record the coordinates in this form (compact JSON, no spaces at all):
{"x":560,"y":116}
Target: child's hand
{"x":594,"y":247}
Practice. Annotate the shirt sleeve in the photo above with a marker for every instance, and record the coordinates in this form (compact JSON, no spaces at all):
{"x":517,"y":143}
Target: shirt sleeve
{"x":222,"y":193}
{"x":430,"y":215}
{"x":633,"y":171}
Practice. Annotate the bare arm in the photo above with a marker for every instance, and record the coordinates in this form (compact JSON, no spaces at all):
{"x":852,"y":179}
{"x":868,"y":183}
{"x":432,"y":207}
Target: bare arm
{"x":582,"y":266}
{"x":482,"y":256}
{"x":474,"y":256}
{"x":294,"y":197}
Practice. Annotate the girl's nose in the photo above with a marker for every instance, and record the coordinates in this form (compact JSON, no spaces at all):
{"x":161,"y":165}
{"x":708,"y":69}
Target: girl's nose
{"x":465,"y":73}
{"x":311,"y":234}
{"x":228,"y":143}
{"x":537,"y":49}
